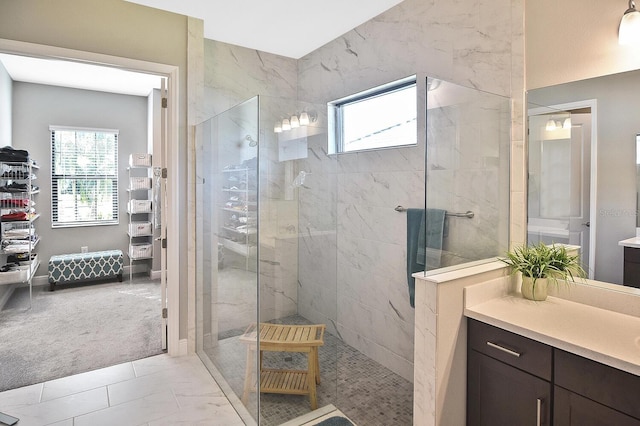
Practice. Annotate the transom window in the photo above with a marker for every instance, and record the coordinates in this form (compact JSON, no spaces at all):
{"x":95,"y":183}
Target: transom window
{"x":382,"y":117}
{"x":84,"y":177}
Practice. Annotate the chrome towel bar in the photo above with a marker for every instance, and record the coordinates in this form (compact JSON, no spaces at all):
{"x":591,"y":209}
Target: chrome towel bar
{"x":469,"y":214}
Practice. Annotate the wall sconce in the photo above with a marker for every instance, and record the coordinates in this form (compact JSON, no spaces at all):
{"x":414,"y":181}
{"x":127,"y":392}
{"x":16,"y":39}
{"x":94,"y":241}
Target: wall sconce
{"x":286,"y":125}
{"x":567,"y":123}
{"x":277,"y":128}
{"x":629,"y":31}
{"x":295,"y":123}
{"x":551,"y":125}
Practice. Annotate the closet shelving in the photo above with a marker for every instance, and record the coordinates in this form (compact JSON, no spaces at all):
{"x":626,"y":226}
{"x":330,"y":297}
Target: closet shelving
{"x":18,"y":237}
{"x":139,"y":210}
{"x":239,"y":212}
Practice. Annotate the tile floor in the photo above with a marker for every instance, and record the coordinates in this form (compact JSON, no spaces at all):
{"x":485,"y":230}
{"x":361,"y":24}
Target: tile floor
{"x":160,"y":390}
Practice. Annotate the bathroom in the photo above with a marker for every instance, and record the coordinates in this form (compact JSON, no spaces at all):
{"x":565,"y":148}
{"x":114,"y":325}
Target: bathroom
{"x":332,"y":247}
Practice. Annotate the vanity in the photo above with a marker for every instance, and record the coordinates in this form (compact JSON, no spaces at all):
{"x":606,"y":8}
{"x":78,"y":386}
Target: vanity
{"x":631,"y":274}
{"x":554,"y":362}
{"x":573,"y":355}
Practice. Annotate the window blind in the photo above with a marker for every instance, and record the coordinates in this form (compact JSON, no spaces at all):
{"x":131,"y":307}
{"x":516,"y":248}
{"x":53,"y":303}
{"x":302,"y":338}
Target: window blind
{"x":84,"y":176}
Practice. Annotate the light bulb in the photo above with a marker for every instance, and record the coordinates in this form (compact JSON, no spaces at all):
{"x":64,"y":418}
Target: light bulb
{"x":277,"y":128}
{"x":551,"y":125}
{"x":286,"y":125}
{"x":304,"y":119}
{"x":294,"y":121}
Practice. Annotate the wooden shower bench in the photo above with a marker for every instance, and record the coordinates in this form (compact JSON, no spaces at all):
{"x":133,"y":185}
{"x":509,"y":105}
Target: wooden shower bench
{"x":284,"y":338}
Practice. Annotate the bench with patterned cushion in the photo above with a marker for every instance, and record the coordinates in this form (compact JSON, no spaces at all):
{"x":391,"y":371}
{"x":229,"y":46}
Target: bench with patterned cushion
{"x":85,"y":266}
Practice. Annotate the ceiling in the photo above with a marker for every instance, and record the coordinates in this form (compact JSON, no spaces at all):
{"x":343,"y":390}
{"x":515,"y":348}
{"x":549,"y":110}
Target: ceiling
{"x":287,"y":28}
{"x":283,"y":27}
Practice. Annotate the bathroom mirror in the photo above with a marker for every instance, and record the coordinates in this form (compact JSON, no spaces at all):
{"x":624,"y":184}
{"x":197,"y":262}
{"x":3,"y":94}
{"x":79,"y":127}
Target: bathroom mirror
{"x":613,"y":172}
{"x":637,"y":183}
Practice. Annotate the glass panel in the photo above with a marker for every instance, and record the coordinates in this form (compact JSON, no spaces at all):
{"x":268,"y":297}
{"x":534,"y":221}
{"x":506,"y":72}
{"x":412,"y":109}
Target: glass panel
{"x":467,"y":184}
{"x":227,"y":223}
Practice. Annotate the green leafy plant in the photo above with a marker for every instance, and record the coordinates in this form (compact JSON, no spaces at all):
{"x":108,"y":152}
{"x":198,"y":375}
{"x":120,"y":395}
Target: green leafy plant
{"x":543,"y":261}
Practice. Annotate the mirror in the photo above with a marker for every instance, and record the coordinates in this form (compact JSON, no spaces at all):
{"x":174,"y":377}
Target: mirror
{"x":637,"y":184}
{"x":613,"y":172}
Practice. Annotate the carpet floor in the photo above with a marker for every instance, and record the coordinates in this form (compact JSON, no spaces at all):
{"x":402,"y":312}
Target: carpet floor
{"x":77,"y":328}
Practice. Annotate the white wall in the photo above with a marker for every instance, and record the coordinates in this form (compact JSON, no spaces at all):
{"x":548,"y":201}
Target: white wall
{"x":475,"y":45}
{"x":35,"y":108}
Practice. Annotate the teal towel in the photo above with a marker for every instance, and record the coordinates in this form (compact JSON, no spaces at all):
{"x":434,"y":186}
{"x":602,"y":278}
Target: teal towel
{"x":420,"y":236}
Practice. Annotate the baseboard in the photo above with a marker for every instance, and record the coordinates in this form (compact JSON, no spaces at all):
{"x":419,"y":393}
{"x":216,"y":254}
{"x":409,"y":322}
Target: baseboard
{"x":183,"y":347}
{"x":155,"y":275}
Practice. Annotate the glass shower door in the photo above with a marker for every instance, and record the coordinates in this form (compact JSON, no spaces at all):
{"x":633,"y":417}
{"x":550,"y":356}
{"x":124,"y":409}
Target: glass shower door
{"x":226,"y":251}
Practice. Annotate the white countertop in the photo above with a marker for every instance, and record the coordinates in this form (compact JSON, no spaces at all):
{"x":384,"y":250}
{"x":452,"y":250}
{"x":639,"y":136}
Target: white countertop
{"x":608,"y":337}
{"x":630,"y":242}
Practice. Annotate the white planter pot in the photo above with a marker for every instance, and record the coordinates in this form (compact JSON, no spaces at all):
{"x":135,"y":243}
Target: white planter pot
{"x":534,"y":290}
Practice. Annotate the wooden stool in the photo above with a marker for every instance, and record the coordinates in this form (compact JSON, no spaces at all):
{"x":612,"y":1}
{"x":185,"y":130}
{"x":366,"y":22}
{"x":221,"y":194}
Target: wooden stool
{"x":284,"y":338}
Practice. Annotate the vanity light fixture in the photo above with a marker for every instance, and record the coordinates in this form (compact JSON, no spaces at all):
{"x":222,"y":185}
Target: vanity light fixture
{"x":629,"y":30}
{"x":567,"y":123}
{"x":295,"y":121}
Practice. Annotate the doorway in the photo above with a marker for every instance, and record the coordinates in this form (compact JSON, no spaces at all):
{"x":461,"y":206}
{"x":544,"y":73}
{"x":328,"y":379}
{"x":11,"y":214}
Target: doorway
{"x":169,"y":73}
{"x":561,"y":175}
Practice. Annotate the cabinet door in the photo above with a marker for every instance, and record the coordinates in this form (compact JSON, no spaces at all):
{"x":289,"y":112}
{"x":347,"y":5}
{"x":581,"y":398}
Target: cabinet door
{"x":571,"y":409}
{"x":498,"y":394}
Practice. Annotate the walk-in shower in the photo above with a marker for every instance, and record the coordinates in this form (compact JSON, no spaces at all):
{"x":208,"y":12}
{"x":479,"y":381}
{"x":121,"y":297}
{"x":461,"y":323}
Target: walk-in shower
{"x":289,"y":234}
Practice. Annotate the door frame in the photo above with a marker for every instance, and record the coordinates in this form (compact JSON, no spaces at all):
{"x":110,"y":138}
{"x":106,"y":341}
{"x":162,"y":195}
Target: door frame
{"x":593,"y":190}
{"x":171,"y":73}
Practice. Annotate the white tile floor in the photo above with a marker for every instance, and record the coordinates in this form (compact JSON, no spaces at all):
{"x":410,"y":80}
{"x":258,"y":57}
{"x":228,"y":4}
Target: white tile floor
{"x":159,"y":390}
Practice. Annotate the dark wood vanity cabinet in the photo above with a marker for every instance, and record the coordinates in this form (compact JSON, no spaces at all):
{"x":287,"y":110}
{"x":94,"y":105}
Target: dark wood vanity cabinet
{"x":588,"y":393}
{"x":508,"y":378}
{"x":631,"y":273}
{"x":513,"y":380}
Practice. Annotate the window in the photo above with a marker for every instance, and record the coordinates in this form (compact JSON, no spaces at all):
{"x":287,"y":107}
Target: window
{"x":84,"y":177}
{"x":382,"y":117}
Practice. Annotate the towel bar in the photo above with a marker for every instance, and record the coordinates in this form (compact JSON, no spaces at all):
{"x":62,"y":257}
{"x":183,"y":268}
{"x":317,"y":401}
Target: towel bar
{"x":469,"y":214}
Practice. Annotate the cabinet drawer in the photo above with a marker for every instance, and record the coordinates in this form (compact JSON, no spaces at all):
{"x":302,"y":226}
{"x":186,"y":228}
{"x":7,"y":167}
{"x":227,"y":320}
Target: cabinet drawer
{"x":510,"y":348}
{"x":607,"y":385}
{"x":632,"y":254}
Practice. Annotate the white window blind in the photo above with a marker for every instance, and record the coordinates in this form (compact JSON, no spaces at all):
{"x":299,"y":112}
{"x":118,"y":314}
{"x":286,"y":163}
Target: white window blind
{"x":84,"y":176}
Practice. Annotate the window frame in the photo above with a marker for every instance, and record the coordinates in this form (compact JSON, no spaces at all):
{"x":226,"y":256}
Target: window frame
{"x":335,"y":111}
{"x":115,"y":204}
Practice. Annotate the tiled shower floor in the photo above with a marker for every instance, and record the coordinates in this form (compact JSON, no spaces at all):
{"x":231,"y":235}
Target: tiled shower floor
{"x":364,"y":390}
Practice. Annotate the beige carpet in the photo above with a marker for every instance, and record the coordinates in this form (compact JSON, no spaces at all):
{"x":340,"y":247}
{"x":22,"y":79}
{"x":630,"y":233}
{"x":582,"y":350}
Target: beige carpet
{"x":77,"y":328}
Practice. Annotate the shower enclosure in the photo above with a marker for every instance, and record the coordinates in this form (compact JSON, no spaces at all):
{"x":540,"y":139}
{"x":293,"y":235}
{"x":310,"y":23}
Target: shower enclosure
{"x":289,"y":234}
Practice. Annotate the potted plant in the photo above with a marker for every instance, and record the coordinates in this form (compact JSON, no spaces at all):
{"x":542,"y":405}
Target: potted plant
{"x":541,"y":264}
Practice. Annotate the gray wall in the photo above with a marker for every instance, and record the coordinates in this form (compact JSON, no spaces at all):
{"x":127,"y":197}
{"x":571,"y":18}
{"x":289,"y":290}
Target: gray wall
{"x":6,"y":89}
{"x":618,"y":124}
{"x":35,"y":108}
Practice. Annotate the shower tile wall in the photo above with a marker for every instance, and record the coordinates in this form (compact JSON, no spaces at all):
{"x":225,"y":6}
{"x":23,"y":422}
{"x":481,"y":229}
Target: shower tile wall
{"x":232,"y":75}
{"x":467,"y":43}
